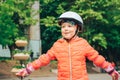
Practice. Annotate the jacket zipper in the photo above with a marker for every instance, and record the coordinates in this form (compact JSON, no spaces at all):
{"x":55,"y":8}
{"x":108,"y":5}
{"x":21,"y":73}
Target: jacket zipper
{"x":70,"y":61}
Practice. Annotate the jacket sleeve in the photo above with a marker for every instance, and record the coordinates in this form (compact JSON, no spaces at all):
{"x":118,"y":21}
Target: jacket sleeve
{"x":44,"y":59}
{"x":94,"y":56}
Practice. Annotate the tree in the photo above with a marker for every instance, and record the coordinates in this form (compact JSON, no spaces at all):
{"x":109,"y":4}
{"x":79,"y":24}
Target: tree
{"x":14,"y":19}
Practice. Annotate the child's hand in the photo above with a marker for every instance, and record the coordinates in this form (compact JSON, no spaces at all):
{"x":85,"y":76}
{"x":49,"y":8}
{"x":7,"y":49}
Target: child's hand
{"x":111,"y":71}
{"x":25,"y":72}
{"x":115,"y":75}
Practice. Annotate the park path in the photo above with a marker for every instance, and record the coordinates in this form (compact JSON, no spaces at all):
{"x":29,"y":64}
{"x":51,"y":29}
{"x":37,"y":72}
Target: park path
{"x":100,"y":76}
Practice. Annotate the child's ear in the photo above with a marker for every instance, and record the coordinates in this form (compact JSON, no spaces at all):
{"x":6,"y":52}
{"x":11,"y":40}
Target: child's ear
{"x":80,"y":29}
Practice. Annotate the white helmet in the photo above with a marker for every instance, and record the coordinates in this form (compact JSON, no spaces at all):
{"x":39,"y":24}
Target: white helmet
{"x":73,"y":16}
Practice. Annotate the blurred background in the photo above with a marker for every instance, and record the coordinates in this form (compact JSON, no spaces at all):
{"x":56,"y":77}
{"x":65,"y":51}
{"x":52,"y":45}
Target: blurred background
{"x":36,"y":22}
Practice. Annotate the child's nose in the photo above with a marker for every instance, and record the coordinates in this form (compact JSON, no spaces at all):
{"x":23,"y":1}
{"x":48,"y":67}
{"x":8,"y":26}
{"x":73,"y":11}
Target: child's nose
{"x":66,"y":27}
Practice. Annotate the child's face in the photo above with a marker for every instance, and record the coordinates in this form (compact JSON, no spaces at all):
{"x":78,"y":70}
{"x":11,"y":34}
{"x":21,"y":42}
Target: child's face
{"x":68,"y":30}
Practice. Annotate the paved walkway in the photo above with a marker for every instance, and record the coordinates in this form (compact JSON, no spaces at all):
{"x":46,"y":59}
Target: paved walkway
{"x":102,"y":76}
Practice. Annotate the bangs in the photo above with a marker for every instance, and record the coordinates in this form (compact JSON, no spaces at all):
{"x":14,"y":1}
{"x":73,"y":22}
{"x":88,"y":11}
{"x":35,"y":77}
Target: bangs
{"x":70,"y":21}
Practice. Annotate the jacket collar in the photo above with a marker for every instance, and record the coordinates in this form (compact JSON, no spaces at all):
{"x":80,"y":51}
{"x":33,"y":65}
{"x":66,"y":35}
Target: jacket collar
{"x":71,"y":40}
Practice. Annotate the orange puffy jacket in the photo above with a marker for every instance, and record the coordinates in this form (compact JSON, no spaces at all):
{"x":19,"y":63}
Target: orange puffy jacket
{"x":71,"y":57}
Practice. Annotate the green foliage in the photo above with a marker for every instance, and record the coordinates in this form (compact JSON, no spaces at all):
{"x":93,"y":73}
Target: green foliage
{"x":8,"y":29}
{"x":48,"y":21}
{"x":100,"y":40}
{"x":114,"y":38}
{"x":21,"y":38}
{"x":12,"y":12}
{"x":18,"y":67}
{"x":16,"y":51}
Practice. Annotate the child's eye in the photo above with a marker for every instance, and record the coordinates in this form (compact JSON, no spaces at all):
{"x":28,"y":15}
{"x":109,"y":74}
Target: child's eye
{"x":70,"y":26}
{"x":62,"y":26}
